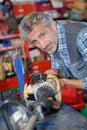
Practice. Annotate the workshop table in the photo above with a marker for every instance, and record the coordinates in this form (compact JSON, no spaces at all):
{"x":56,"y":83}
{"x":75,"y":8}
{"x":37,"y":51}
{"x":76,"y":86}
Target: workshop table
{"x":65,"y":119}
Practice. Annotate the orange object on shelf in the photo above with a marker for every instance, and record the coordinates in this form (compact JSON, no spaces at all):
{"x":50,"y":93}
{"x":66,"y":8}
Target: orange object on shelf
{"x":2,"y":71}
{"x":79,"y":5}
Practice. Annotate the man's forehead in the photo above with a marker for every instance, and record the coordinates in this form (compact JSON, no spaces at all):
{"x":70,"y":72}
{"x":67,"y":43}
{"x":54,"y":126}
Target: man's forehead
{"x":36,"y":31}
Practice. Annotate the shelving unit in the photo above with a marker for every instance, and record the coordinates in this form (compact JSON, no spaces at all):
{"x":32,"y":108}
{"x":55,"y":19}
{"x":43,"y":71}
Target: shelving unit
{"x":11,"y":81}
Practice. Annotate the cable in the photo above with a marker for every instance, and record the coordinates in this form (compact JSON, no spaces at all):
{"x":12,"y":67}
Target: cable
{"x":31,"y":123}
{"x":1,"y":93}
{"x":37,"y":114}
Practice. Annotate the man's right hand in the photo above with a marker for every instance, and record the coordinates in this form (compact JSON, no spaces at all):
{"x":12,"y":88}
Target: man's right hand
{"x":54,"y":72}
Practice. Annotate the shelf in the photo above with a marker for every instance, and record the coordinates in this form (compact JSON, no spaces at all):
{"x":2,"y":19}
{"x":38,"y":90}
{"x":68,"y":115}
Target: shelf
{"x":12,"y":82}
{"x":9,"y":36}
{"x":10,"y":48}
{"x":41,"y":66}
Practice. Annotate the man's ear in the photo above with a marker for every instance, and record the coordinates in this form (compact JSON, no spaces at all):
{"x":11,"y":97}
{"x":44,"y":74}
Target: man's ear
{"x":53,"y":26}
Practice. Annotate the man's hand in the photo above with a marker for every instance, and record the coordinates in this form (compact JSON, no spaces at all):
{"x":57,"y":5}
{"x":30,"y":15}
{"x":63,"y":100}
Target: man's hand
{"x":51,"y":71}
{"x":73,"y":83}
{"x":62,"y":82}
{"x":54,"y":72}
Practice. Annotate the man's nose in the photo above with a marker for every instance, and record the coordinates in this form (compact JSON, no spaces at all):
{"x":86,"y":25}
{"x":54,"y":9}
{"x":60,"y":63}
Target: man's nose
{"x":42,"y":44}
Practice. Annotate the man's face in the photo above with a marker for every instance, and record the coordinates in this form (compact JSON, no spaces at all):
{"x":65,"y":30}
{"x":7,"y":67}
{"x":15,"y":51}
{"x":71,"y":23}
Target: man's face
{"x":45,"y":38}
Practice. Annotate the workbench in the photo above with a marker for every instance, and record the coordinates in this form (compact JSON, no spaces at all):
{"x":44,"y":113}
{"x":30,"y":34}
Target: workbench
{"x":65,"y":119}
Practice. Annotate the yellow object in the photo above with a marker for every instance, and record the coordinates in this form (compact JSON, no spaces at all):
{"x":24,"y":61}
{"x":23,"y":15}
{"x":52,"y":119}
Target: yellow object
{"x":2,"y":72}
{"x":57,"y":102}
{"x":9,"y":66}
{"x":27,"y":91}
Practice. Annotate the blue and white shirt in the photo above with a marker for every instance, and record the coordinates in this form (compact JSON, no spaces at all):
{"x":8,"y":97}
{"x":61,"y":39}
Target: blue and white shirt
{"x":62,"y":53}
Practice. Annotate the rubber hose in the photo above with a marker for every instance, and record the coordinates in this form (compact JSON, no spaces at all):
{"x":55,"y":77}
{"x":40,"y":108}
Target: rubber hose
{"x":1,"y":95}
{"x":31,"y":123}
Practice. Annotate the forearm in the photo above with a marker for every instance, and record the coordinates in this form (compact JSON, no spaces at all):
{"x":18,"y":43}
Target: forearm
{"x":71,"y":83}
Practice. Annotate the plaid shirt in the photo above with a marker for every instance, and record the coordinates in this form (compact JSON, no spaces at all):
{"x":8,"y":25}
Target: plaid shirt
{"x":62,"y":51}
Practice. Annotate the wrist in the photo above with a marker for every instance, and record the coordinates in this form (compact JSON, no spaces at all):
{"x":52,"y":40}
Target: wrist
{"x":60,"y":74}
{"x":63,"y":82}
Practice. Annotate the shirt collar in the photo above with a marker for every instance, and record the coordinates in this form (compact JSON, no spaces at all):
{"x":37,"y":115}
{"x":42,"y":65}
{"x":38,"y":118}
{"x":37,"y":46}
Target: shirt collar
{"x":62,"y":46}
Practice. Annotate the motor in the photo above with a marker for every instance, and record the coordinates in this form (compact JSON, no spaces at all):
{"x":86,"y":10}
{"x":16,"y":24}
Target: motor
{"x":42,"y":98}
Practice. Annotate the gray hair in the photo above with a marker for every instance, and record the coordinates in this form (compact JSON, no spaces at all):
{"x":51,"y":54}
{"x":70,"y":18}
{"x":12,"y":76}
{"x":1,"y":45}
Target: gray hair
{"x":28,"y":22}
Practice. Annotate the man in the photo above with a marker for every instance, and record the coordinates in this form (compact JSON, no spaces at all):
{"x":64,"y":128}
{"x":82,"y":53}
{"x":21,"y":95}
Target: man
{"x":65,"y":41}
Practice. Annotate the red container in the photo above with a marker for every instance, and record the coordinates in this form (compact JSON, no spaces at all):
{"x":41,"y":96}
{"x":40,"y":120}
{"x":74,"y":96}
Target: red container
{"x":73,"y":97}
{"x":43,"y":6}
{"x":23,"y":9}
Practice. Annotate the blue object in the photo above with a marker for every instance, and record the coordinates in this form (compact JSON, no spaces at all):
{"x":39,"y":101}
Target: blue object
{"x":20,"y":74}
{"x":65,"y":119}
{"x":6,"y":43}
{"x":3,"y":8}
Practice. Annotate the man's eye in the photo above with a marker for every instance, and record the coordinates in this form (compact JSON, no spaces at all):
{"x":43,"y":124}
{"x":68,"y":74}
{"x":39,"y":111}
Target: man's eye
{"x":34,"y":41}
{"x":42,"y":34}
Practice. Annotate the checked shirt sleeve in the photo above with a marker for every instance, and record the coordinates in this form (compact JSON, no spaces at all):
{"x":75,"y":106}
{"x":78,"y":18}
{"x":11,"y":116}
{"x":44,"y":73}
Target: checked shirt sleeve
{"x":82,"y":47}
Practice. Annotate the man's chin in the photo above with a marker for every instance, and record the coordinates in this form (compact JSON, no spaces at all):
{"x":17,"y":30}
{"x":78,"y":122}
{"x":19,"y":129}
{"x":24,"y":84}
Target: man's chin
{"x":51,"y":52}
